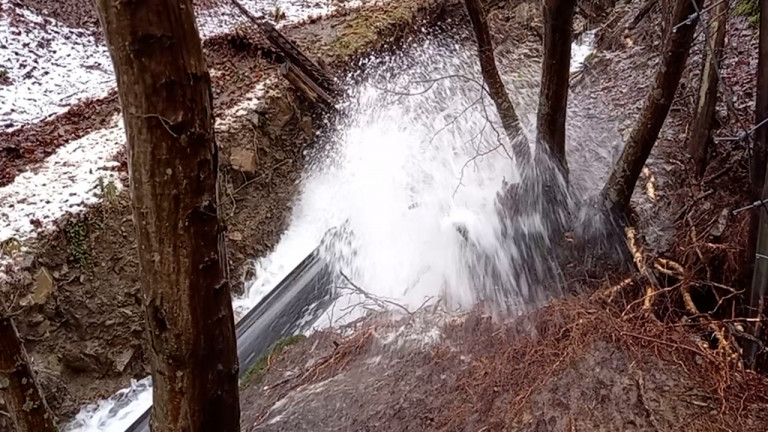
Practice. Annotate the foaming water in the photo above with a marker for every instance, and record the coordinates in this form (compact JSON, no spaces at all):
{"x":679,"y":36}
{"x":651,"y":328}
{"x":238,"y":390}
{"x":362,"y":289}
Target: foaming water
{"x":404,"y":199}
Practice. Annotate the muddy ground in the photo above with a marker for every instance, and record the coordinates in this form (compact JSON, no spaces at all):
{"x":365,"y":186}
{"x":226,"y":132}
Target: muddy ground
{"x":632,"y":356}
{"x":581,"y":364}
{"x":74,"y":289}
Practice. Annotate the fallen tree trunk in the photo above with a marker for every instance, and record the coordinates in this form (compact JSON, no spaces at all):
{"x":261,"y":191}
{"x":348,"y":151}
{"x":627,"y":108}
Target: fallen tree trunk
{"x":301,"y":82}
{"x":555,"y":74}
{"x":704,"y":118}
{"x":496,"y":89}
{"x":298,"y":60}
{"x":28,"y":410}
{"x":165,"y":93}
{"x":621,"y":183}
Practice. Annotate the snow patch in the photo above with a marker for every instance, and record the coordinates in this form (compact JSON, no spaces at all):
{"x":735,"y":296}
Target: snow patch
{"x":51,"y":67}
{"x":66,"y":182}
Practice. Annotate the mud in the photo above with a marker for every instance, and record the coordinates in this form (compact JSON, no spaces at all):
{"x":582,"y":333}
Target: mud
{"x":575,"y":365}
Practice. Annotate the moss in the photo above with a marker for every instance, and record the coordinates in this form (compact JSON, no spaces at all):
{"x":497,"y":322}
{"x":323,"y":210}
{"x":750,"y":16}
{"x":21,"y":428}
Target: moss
{"x":77,"y":238}
{"x":750,"y":9}
{"x":256,"y":372}
{"x":367,"y":28}
{"x":3,"y":73}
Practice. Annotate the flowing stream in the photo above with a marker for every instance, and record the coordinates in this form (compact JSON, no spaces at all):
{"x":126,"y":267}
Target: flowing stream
{"x":408,"y":180}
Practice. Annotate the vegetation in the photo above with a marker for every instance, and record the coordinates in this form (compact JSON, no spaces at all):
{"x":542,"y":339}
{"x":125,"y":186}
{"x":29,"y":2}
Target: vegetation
{"x":108,"y":190}
{"x":750,"y":9}
{"x":256,"y":372}
{"x":366,"y":29}
{"x":76,"y":232}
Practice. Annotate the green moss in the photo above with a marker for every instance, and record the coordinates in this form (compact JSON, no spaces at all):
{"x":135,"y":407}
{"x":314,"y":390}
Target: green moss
{"x":3,"y":73}
{"x":256,"y":372}
{"x":750,"y":9}
{"x":367,"y":28}
{"x":77,"y":238}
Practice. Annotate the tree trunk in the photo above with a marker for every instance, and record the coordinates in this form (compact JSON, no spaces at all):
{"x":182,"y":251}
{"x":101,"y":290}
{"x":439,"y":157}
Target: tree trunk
{"x":621,"y":183}
{"x":165,"y":92}
{"x":496,"y":88}
{"x":701,"y":131}
{"x":758,"y":233}
{"x":22,"y":395}
{"x":555,"y":74}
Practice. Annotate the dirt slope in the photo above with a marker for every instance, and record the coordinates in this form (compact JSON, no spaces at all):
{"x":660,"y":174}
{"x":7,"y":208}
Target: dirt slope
{"x":579,"y":364}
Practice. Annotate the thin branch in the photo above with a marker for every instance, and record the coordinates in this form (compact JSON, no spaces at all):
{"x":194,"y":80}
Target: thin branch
{"x":373,"y":298}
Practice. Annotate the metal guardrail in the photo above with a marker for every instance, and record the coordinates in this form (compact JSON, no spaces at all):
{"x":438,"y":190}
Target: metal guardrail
{"x":291,"y":307}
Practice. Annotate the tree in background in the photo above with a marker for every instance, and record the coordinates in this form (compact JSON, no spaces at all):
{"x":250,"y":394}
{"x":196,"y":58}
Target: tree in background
{"x":704,"y":117}
{"x":617,"y":192}
{"x":496,"y":89}
{"x":555,"y":75}
{"x":165,"y":92}
{"x":18,"y":386}
{"x":553,"y":97}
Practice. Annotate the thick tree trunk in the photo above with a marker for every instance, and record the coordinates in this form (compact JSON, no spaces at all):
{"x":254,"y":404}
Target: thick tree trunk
{"x":165,"y":92}
{"x":758,"y":234}
{"x":496,"y":88}
{"x":18,"y":385}
{"x":555,"y":74}
{"x":621,"y":183}
{"x":701,"y":131}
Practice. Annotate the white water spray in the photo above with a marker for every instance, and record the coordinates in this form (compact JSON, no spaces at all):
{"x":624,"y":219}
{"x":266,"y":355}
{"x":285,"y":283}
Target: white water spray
{"x":399,"y":180}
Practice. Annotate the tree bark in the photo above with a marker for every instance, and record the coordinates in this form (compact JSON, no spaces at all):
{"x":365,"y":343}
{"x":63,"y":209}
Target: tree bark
{"x":621,"y":183}
{"x":165,"y":92}
{"x":555,"y":74}
{"x":701,"y":131}
{"x":757,"y":248}
{"x":18,"y":386}
{"x":498,"y":92}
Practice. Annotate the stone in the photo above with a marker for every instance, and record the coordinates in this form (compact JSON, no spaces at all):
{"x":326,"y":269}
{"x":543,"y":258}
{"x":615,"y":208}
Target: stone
{"x":81,"y":358}
{"x":122,"y":359}
{"x":722,"y":222}
{"x":42,"y":290}
{"x":306,"y":125}
{"x":243,"y":160}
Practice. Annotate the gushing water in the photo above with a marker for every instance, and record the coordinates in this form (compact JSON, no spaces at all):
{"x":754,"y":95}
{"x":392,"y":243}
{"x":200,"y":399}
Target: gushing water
{"x":404,"y":197}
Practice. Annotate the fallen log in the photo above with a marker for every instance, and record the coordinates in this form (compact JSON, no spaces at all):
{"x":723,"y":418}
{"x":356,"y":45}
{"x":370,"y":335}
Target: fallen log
{"x":298,"y":62}
{"x":305,"y":85}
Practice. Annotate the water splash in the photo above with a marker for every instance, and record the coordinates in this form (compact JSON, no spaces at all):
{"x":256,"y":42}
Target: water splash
{"x":407,"y":187}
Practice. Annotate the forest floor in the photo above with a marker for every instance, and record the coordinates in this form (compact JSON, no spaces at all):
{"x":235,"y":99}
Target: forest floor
{"x":622,"y":352}
{"x":69,"y":276}
{"x":600,"y":360}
